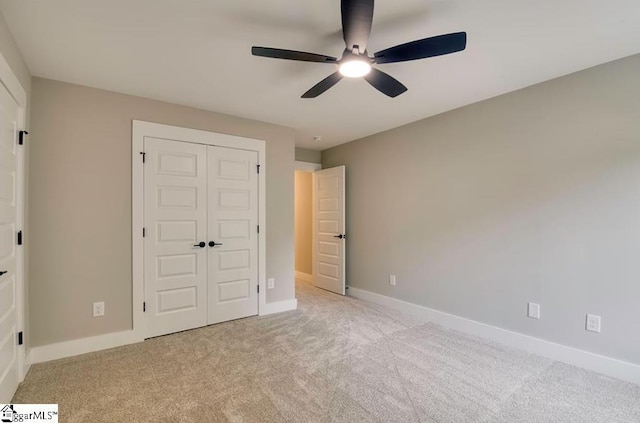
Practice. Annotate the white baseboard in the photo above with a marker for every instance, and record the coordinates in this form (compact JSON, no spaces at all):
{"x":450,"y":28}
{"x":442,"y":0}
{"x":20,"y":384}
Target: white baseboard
{"x":118,"y":339}
{"x":304,"y":276}
{"x":598,"y":363}
{"x":83,"y":346}
{"x":28,"y":361}
{"x":279,"y":307}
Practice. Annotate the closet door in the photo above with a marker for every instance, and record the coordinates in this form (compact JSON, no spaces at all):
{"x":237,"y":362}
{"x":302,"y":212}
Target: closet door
{"x":175,"y":215}
{"x":233,"y":234}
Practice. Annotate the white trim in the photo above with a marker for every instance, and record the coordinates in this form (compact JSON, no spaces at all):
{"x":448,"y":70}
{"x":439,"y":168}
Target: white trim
{"x":137,"y":223}
{"x":21,"y":295}
{"x":118,"y":339}
{"x":279,"y":307}
{"x":262,"y":222}
{"x":307,"y":166}
{"x":28,"y":361}
{"x":140,"y":130}
{"x":576,"y":357}
{"x":9,"y":80}
{"x":304,"y":276}
{"x":82,"y":346}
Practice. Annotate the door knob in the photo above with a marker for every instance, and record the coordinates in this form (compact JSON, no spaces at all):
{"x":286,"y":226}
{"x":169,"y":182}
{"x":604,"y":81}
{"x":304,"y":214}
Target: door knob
{"x":341,"y":236}
{"x":2,"y":272}
{"x":213,"y":243}
{"x":202,"y":244}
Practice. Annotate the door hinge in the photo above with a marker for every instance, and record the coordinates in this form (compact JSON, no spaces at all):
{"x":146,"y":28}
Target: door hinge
{"x":144,"y":306}
{"x":20,"y":340}
{"x":258,"y":289}
{"x":19,"y":237}
{"x":21,"y":135}
{"x":144,"y":156}
{"x":258,"y":228}
{"x":258,"y":166}
{"x":144,"y":232}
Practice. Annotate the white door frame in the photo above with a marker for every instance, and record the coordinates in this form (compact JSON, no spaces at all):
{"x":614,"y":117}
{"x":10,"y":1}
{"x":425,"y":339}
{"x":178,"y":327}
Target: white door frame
{"x":310,"y":168}
{"x":307,"y":166}
{"x":12,"y":84}
{"x":140,"y":130}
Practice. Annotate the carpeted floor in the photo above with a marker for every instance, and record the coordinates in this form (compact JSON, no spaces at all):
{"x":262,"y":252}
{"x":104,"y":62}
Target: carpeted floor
{"x":335,"y":359}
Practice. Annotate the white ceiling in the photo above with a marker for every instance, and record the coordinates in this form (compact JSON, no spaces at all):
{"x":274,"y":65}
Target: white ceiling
{"x":197,"y":53}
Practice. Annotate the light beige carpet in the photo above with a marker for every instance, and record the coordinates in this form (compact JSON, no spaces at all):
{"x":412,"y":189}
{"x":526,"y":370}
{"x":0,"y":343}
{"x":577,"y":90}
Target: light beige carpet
{"x":335,"y":359}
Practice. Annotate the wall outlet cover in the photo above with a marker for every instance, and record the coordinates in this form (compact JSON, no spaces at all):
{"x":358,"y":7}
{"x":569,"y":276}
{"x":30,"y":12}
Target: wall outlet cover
{"x":533,"y":310}
{"x":98,"y":309}
{"x":271,"y":283}
{"x":593,"y":323}
{"x":392,"y":280}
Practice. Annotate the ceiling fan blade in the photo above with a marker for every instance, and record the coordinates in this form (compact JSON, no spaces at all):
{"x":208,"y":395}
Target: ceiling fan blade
{"x":385,"y":83}
{"x":357,"y":17}
{"x":277,"y":53}
{"x":323,"y":85}
{"x":421,"y":49}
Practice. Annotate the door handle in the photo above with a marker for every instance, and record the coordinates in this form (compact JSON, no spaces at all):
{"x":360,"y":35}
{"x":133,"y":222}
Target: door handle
{"x":202,"y":244}
{"x":213,"y":243}
{"x":341,"y":236}
{"x":2,"y":272}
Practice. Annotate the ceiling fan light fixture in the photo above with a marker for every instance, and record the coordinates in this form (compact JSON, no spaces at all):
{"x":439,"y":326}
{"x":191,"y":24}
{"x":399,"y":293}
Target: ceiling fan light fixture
{"x":357,"y":20}
{"x":355,"y":68}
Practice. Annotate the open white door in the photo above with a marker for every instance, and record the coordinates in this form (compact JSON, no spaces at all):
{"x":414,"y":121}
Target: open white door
{"x":329,"y":232}
{"x":9,"y":373}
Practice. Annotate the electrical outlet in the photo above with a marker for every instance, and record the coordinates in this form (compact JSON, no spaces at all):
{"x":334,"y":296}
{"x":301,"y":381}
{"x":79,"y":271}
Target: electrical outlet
{"x":593,"y":323}
{"x":98,"y":309}
{"x":533,"y":310}
{"x":271,"y":283}
{"x":392,"y":280}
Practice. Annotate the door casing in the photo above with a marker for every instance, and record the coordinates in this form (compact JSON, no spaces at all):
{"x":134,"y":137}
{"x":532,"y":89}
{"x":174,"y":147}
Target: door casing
{"x":140,"y":130}
{"x":15,"y":89}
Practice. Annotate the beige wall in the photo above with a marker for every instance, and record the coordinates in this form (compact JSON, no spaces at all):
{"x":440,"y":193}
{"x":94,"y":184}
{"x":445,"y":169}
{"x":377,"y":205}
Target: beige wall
{"x":12,"y":55}
{"x":305,"y":155}
{"x":303,"y":226}
{"x":80,"y":192}
{"x":530,"y":196}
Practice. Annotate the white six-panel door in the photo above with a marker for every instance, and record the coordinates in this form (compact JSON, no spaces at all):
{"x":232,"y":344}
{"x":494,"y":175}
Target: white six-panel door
{"x":201,"y":240}
{"x":9,"y":374}
{"x":329,"y":229}
{"x":233,"y":226}
{"x":175,"y":209}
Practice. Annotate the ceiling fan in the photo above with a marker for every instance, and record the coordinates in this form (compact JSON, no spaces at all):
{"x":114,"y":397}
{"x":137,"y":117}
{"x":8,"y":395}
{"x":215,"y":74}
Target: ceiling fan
{"x":357,"y":17}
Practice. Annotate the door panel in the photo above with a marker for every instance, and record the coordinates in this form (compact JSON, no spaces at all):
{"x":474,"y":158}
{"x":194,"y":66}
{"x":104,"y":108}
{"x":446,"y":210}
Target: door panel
{"x":233,"y":221}
{"x":175,"y":204}
{"x":9,"y":111}
{"x":177,"y":231}
{"x":177,"y":197}
{"x":180,"y":299}
{"x":328,"y":224}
